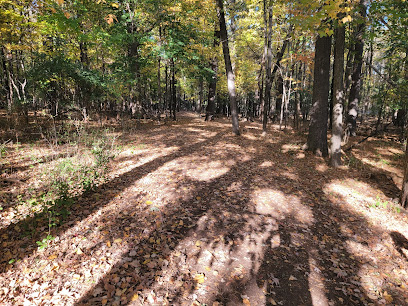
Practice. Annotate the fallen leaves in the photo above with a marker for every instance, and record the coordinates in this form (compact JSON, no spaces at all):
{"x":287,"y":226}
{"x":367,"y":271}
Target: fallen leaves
{"x":157,"y":240}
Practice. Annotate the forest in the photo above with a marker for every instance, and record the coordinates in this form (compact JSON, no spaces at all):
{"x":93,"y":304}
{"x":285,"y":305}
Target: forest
{"x":203,"y":152}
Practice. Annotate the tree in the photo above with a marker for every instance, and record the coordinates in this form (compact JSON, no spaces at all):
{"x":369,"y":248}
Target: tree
{"x":228,"y":67}
{"x":268,"y":67}
{"x":355,"y":89}
{"x":338,"y":96}
{"x":317,"y":137}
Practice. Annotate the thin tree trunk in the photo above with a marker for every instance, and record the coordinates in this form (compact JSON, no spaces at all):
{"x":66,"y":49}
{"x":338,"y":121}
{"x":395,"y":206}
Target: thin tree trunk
{"x":404,"y":192}
{"x":228,"y":67}
{"x":159,"y":91}
{"x":200,"y":96}
{"x":166,"y":95}
{"x":268,"y":67}
{"x":338,"y":97}
{"x":173,"y":90}
{"x":212,"y":87}
{"x":317,"y":137}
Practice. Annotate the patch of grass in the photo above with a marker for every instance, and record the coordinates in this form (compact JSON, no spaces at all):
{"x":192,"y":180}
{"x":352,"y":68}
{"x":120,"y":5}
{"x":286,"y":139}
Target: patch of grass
{"x":394,"y":207}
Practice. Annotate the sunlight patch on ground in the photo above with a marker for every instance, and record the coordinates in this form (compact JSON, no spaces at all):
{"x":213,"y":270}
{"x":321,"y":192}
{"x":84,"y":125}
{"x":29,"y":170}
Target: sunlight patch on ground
{"x":316,"y":281}
{"x":371,"y":272}
{"x":133,"y":162}
{"x":361,"y":198}
{"x":384,"y":217}
{"x":322,"y":168}
{"x":300,"y":155}
{"x":289,"y":148}
{"x":208,"y":170}
{"x":267,"y":164}
{"x":290,"y":175}
{"x":276,"y":204}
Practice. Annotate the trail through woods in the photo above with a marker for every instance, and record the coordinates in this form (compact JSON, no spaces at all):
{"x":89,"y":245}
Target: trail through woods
{"x":193,"y":215}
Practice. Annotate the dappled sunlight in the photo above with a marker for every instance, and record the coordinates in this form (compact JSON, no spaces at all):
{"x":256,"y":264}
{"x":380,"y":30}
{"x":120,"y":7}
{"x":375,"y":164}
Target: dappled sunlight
{"x":290,"y":175}
{"x":321,"y":168}
{"x":208,"y":170}
{"x":290,"y":148}
{"x":374,"y":265}
{"x":267,"y":164}
{"x":250,"y":137}
{"x":191,"y":214}
{"x":363,"y":199}
{"x":131,"y":161}
{"x":278,"y":205}
{"x":213,"y":263}
{"x":316,"y":281}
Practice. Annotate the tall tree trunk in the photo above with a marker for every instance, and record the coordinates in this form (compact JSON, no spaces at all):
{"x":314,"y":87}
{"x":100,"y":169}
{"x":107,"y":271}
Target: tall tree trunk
{"x":166,"y":94}
{"x":6,"y":80}
{"x":268,"y":67}
{"x":317,"y":137}
{"x":279,"y":96}
{"x":355,"y":89}
{"x":338,"y":97}
{"x":212,"y":87}
{"x":297,"y":110}
{"x":275,"y":68}
{"x":173,"y":91}
{"x":159,"y":91}
{"x":200,"y":96}
{"x":404,"y":191}
{"x":228,"y":67}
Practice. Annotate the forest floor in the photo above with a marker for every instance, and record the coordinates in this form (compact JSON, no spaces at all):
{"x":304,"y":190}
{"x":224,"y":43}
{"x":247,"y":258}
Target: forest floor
{"x":192,"y":215}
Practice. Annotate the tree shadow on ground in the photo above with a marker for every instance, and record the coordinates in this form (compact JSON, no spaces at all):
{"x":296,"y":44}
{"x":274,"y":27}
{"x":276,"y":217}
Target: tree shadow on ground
{"x":380,"y":178}
{"x":17,"y":247}
{"x":262,"y":231}
{"x":400,"y":243}
{"x":309,"y":264}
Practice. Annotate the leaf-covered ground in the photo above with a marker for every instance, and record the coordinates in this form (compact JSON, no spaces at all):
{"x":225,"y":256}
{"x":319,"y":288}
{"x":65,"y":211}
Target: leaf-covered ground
{"x":192,"y":215}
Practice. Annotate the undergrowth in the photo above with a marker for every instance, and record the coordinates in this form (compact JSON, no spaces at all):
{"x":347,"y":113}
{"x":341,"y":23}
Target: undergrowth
{"x":68,"y":178}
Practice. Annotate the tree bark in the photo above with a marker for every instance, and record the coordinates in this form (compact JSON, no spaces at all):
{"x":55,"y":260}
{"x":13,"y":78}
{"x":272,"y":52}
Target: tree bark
{"x":268,"y":67}
{"x":212,"y":87}
{"x":159,"y":91}
{"x":228,"y":67}
{"x":404,"y":192}
{"x":317,"y":137}
{"x":355,"y":89}
{"x":275,"y":68}
{"x":338,"y":97}
{"x":173,"y":91}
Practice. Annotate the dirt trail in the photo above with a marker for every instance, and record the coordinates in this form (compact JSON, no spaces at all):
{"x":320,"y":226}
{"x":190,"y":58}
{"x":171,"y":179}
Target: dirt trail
{"x":193,"y":215}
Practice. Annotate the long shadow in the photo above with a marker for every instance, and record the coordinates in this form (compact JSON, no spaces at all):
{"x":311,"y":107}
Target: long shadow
{"x":189,"y":211}
{"x":222,"y":216}
{"x":21,"y":248}
{"x":285,"y":270}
